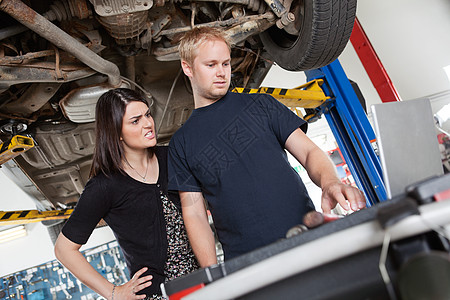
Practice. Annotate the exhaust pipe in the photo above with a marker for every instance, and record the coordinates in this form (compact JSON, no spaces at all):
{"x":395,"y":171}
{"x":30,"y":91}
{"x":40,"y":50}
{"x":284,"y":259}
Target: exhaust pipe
{"x":61,"y":39}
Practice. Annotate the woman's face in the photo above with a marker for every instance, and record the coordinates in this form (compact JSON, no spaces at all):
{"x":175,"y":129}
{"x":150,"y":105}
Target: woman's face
{"x":138,"y":127}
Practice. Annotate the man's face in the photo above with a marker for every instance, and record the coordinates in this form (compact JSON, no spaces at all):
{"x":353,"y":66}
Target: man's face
{"x":210,"y":72}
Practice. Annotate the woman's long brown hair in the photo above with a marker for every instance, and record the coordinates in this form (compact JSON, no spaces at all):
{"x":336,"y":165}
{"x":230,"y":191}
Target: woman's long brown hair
{"x":109,"y":112}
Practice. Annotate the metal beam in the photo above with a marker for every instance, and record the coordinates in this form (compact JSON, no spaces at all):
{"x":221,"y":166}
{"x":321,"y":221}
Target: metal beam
{"x":372,"y":64}
{"x":308,"y":95}
{"x":32,"y":216}
{"x":352,"y":130}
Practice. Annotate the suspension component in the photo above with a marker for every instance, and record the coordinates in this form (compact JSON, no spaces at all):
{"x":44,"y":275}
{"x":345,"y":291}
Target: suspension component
{"x":66,"y":9}
{"x":124,"y":21}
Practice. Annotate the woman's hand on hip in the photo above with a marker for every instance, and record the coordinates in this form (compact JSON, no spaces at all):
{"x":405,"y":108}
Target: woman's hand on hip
{"x":128,"y":290}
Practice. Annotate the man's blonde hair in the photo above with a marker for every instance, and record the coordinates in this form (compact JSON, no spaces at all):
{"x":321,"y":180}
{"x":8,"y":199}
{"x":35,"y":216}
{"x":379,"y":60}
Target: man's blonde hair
{"x":192,"y":40}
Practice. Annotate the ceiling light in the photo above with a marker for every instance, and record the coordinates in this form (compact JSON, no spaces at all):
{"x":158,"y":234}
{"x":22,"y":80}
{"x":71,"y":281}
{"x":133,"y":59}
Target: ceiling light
{"x":442,"y":115}
{"x":12,"y":233}
{"x":447,"y":71}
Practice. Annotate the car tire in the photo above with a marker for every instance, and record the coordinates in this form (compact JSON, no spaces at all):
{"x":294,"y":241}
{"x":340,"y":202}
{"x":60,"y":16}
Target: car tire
{"x":318,"y":35}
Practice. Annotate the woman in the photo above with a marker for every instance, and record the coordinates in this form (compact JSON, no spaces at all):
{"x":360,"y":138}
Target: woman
{"x":128,"y":189}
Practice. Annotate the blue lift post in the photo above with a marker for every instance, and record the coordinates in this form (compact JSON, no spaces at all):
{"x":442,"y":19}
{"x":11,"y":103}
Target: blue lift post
{"x":352,"y":130}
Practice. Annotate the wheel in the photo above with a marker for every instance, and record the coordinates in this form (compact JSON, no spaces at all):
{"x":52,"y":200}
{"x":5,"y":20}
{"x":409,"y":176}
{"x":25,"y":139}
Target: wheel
{"x":317,"y":37}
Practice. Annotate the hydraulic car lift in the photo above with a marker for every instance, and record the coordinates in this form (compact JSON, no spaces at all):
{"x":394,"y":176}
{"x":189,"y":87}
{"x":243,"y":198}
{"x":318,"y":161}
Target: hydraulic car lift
{"x":352,"y":130}
{"x":309,"y":96}
{"x":14,"y":146}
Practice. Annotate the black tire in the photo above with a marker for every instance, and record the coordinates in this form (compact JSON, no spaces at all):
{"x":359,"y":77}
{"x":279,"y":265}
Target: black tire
{"x":324,"y":28}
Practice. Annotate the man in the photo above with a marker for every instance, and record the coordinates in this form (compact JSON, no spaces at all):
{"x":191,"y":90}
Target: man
{"x":232,"y":151}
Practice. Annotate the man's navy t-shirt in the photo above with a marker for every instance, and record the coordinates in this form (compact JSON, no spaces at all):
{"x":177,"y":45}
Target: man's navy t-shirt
{"x":233,"y":152}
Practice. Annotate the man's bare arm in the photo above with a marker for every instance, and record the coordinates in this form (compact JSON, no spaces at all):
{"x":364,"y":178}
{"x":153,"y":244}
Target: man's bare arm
{"x":198,"y":229}
{"x":323,"y":173}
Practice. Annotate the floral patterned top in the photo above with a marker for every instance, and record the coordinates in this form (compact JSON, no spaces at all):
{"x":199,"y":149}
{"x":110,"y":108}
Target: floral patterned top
{"x":180,"y":258}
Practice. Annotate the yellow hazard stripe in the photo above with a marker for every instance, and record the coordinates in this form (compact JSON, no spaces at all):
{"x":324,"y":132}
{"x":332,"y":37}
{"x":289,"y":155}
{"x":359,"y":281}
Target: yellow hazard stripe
{"x":31,"y":216}
{"x":309,"y":95}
